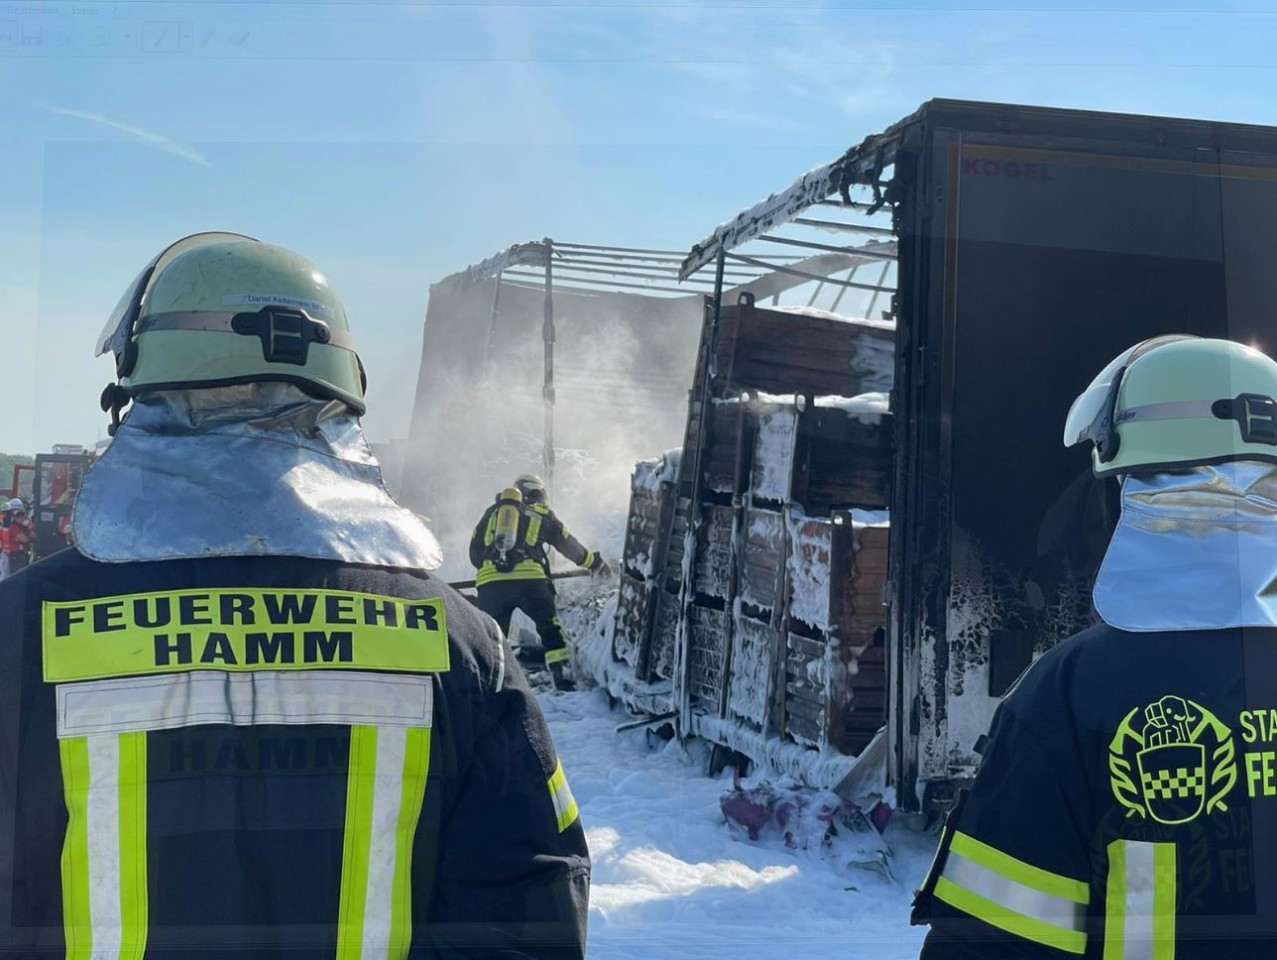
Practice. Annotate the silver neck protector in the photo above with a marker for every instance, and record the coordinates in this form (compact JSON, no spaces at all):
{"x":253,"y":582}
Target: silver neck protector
{"x":1193,"y":550}
{"x":255,"y":470}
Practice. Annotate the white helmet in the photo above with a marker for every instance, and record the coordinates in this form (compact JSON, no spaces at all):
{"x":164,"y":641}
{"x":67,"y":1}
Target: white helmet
{"x":15,"y":504}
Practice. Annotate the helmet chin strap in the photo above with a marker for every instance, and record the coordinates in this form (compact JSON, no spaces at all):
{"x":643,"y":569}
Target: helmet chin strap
{"x":114,"y":399}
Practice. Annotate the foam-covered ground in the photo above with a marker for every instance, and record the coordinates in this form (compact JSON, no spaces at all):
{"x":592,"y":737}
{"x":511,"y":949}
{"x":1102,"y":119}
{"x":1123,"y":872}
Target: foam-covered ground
{"x":671,"y":880}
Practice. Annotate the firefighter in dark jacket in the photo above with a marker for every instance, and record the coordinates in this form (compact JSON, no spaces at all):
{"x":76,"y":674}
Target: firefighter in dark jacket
{"x":509,"y":550}
{"x":241,"y":719}
{"x":1126,"y":803}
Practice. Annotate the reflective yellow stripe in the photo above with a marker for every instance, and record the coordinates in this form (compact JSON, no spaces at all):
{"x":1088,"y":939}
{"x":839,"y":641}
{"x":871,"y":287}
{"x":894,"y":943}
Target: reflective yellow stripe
{"x":360,"y":788}
{"x":104,"y":876}
{"x":523,"y":570}
{"x":1139,"y":922}
{"x":1165,"y":880}
{"x":534,"y":530}
{"x":1035,"y":877}
{"x":385,"y":790}
{"x":77,"y":925}
{"x":415,"y":769}
{"x":996,"y":915}
{"x":490,"y":532}
{"x":1014,"y":896}
{"x":134,"y":912}
{"x":561,"y":794}
{"x":557,"y":656}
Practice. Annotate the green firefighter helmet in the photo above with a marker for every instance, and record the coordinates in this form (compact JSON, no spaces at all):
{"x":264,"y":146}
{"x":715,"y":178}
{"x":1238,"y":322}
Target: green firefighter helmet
{"x":1178,"y":401}
{"x":216,"y":309}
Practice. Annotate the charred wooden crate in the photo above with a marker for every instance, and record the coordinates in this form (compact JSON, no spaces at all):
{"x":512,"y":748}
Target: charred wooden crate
{"x":829,"y":453}
{"x":720,"y":457}
{"x":843,"y":454}
{"x":633,"y":601}
{"x":859,"y":576}
{"x":806,"y":352}
{"x":708,"y":633}
{"x":672,"y":572}
{"x":762,"y":579}
{"x":664,"y":656}
{"x":651,"y":502}
{"x":753,"y":646}
{"x":711,"y":570}
{"x":771,"y":474}
{"x":834,"y":680}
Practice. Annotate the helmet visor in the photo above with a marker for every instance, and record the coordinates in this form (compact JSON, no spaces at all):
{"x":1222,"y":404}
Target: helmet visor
{"x":114,"y":335}
{"x":1091,"y":405}
{"x":1089,"y":416}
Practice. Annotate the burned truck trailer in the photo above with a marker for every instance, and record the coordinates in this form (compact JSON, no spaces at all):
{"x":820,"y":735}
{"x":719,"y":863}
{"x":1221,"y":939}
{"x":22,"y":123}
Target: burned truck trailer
{"x":1033,"y":245}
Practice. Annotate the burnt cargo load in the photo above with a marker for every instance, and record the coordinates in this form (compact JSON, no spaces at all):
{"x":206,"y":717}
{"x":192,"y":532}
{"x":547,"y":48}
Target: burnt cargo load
{"x":1033,"y":245}
{"x":750,"y":607}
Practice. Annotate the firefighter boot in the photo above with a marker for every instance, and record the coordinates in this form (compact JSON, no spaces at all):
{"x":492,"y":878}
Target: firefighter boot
{"x":561,"y":680}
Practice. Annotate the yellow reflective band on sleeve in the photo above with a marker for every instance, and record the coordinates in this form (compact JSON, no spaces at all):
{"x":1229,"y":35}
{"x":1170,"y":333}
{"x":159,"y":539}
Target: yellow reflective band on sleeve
{"x":557,"y":656}
{"x":104,"y":875}
{"x":241,"y":629}
{"x":385,"y":790}
{"x":564,"y":803}
{"x":1014,"y":896}
{"x":1139,"y":906}
{"x":1066,"y":888}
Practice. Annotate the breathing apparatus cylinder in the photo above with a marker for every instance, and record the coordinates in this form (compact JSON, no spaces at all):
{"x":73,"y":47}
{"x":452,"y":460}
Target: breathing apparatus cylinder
{"x":506,"y":534}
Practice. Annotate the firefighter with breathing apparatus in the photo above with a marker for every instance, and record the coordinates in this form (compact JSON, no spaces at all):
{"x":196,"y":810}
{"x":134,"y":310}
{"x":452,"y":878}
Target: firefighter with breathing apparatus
{"x":509,"y":549}
{"x":242,"y":718}
{"x":1126,"y":804}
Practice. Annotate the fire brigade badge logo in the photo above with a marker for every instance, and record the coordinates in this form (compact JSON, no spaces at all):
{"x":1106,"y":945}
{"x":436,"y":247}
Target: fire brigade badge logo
{"x":1171,"y":761}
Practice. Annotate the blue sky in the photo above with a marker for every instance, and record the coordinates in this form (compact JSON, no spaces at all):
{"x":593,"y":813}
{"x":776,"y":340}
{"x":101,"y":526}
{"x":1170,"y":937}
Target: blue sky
{"x":393,"y":143}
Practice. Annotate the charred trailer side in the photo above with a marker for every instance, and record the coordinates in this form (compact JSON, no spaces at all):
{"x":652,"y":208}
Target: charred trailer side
{"x":1035,"y":245}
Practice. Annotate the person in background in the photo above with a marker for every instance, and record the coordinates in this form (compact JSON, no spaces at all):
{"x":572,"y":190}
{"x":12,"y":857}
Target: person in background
{"x":4,"y":533}
{"x":242,"y":719}
{"x":510,"y":551}
{"x":1118,"y":810}
{"x":17,"y":537}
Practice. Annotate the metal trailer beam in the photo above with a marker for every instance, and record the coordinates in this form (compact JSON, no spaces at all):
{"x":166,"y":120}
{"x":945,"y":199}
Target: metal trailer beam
{"x":685,"y":292}
{"x":566,"y":266}
{"x":564,"y":245}
{"x":847,"y":227}
{"x":811,"y":276}
{"x":492,"y":323}
{"x":868,"y":252}
{"x":662,"y":271}
{"x":532,"y":254}
{"x":846,"y":205}
{"x":547,"y":388}
{"x":862,"y":164}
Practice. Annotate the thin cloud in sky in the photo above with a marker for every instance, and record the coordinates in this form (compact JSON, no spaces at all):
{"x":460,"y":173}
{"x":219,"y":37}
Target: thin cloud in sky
{"x":157,"y":140}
